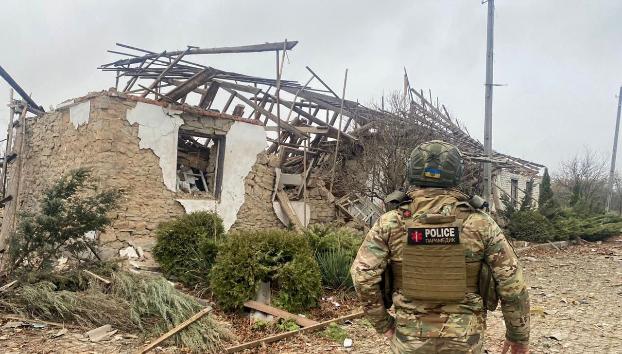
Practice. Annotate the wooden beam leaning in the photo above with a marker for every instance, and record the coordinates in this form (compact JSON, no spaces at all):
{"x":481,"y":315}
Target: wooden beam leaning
{"x":292,"y":129}
{"x":302,"y":321}
{"x":318,"y":121}
{"x":169,"y":67}
{"x":192,"y":83}
{"x":288,"y":210}
{"x":141,"y":69}
{"x":178,"y":328}
{"x":32,"y":106}
{"x":280,"y":336}
{"x":207,"y":98}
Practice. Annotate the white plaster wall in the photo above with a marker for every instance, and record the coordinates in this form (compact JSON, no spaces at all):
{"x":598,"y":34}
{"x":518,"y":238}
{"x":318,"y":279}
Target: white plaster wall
{"x":158,"y":129}
{"x":244,"y":142}
{"x":504,"y":178}
{"x":79,"y":114}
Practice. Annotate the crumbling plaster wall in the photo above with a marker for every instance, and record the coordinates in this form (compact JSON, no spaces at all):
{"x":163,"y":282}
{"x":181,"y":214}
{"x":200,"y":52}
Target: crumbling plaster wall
{"x":113,"y":137}
{"x":124,"y":141}
{"x":243,"y":143}
{"x":106,"y":142}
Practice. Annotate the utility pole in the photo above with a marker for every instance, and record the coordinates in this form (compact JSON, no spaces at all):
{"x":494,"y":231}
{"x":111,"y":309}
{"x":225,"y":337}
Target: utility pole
{"x":488,"y":105}
{"x":613,"y":154}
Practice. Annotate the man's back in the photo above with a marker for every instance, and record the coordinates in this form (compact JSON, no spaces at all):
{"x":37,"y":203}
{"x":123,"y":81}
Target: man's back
{"x":433,"y":326}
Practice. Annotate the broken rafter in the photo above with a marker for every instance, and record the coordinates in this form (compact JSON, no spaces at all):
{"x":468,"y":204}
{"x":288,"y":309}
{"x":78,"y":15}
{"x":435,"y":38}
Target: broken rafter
{"x":32,"y":106}
{"x":192,"y":83}
{"x":266,"y":47}
{"x":168,"y":68}
{"x":268,"y":115}
{"x":207,"y":98}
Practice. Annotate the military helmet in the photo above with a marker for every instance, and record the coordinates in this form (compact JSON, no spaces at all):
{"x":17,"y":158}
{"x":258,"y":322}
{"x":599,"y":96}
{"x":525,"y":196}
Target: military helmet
{"x":434,"y":164}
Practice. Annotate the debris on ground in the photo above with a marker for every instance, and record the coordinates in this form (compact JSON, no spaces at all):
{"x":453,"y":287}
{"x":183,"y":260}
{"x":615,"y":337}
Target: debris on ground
{"x":130,"y":303}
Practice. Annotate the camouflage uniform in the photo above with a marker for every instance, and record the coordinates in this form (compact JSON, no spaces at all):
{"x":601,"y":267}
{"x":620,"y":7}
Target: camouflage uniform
{"x":441,"y":328}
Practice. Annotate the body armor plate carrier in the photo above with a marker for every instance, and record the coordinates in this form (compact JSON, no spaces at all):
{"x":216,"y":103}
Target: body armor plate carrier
{"x":434,"y":267}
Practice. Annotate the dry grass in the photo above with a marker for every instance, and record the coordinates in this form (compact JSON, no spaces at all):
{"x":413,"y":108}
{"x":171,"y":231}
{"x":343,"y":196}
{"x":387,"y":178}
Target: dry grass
{"x":149,"y":305}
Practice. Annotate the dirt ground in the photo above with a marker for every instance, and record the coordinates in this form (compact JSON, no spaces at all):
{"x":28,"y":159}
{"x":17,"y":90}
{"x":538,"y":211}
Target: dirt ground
{"x":576,"y":305}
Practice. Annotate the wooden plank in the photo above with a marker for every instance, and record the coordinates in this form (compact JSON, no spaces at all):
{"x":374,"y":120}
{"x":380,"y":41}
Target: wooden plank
{"x":7,"y":286}
{"x":255,"y":305}
{"x":265,"y":47}
{"x":132,"y":81}
{"x":169,"y":67}
{"x":176,"y":329}
{"x":290,"y":128}
{"x":32,"y":105}
{"x":9,"y":142}
{"x":10,"y":209}
{"x":320,"y":122}
{"x":314,"y":130}
{"x":291,"y":179}
{"x":280,"y":336}
{"x":208,"y":97}
{"x":28,"y":320}
{"x":93,"y":275}
{"x":287,"y":209}
{"x":192,"y":83}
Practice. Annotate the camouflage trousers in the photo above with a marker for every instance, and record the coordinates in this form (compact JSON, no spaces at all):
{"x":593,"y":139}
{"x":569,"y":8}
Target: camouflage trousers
{"x":419,"y":345}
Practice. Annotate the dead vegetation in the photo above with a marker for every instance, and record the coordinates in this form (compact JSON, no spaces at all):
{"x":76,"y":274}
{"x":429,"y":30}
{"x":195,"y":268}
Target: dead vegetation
{"x":137,"y":304}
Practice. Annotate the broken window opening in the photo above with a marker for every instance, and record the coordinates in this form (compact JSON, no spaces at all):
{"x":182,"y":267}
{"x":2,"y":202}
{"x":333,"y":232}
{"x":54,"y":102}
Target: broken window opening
{"x":200,"y":160}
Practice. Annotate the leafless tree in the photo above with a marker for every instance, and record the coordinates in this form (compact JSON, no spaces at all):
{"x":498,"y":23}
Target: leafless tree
{"x":376,"y":165}
{"x":581,"y":182}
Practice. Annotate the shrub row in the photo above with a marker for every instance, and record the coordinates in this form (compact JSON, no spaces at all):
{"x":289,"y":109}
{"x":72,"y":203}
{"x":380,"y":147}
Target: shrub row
{"x":193,"y":250}
{"x":532,"y":226}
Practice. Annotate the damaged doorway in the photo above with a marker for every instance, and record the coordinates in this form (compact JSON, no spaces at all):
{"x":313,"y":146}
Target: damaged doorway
{"x":200,"y":160}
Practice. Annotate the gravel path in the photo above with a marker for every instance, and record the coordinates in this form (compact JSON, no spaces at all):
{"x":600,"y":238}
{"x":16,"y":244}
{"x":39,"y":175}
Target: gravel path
{"x":576,"y":306}
{"x":576,"y":300}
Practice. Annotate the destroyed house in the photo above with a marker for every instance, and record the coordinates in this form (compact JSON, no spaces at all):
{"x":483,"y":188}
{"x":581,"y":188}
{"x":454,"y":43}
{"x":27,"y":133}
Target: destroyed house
{"x":177,"y":136}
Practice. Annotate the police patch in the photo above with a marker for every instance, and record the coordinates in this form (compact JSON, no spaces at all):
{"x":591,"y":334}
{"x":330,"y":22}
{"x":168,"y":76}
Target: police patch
{"x":432,"y":172}
{"x":448,"y":235}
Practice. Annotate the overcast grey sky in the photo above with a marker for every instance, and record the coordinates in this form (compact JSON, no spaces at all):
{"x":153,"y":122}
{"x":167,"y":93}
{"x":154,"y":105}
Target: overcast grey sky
{"x":560,"y":59}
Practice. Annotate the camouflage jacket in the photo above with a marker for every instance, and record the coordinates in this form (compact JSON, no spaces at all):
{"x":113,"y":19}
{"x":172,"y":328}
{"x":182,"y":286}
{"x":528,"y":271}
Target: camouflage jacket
{"x":482,"y":239}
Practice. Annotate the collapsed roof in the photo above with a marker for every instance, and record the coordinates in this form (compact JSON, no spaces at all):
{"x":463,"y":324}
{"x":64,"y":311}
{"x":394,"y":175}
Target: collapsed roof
{"x":305,"y":120}
{"x":302,"y":121}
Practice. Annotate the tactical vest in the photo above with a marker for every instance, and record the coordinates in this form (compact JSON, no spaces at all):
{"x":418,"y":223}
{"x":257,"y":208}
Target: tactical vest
{"x":434,"y":266}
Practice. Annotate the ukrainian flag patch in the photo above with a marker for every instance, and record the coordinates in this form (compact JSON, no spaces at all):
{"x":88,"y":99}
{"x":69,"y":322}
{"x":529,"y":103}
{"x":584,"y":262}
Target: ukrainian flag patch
{"x":432,"y":173}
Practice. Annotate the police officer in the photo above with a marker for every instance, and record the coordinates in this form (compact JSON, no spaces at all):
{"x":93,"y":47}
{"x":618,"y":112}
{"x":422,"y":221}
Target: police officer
{"x":441,"y":254}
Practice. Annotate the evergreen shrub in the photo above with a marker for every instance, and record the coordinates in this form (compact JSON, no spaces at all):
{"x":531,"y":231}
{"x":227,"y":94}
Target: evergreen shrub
{"x":245,"y":259}
{"x":186,"y":247}
{"x":571,"y":225}
{"x":530,"y":225}
{"x":67,"y":211}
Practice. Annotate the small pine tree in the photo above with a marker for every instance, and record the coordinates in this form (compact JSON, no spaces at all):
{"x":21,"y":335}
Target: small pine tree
{"x":547,"y":205}
{"x":546,"y":193}
{"x":67,"y":211}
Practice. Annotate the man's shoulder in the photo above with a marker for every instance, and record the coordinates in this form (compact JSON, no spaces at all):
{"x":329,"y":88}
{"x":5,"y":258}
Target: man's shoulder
{"x":480,"y":219}
{"x":390,"y":218}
